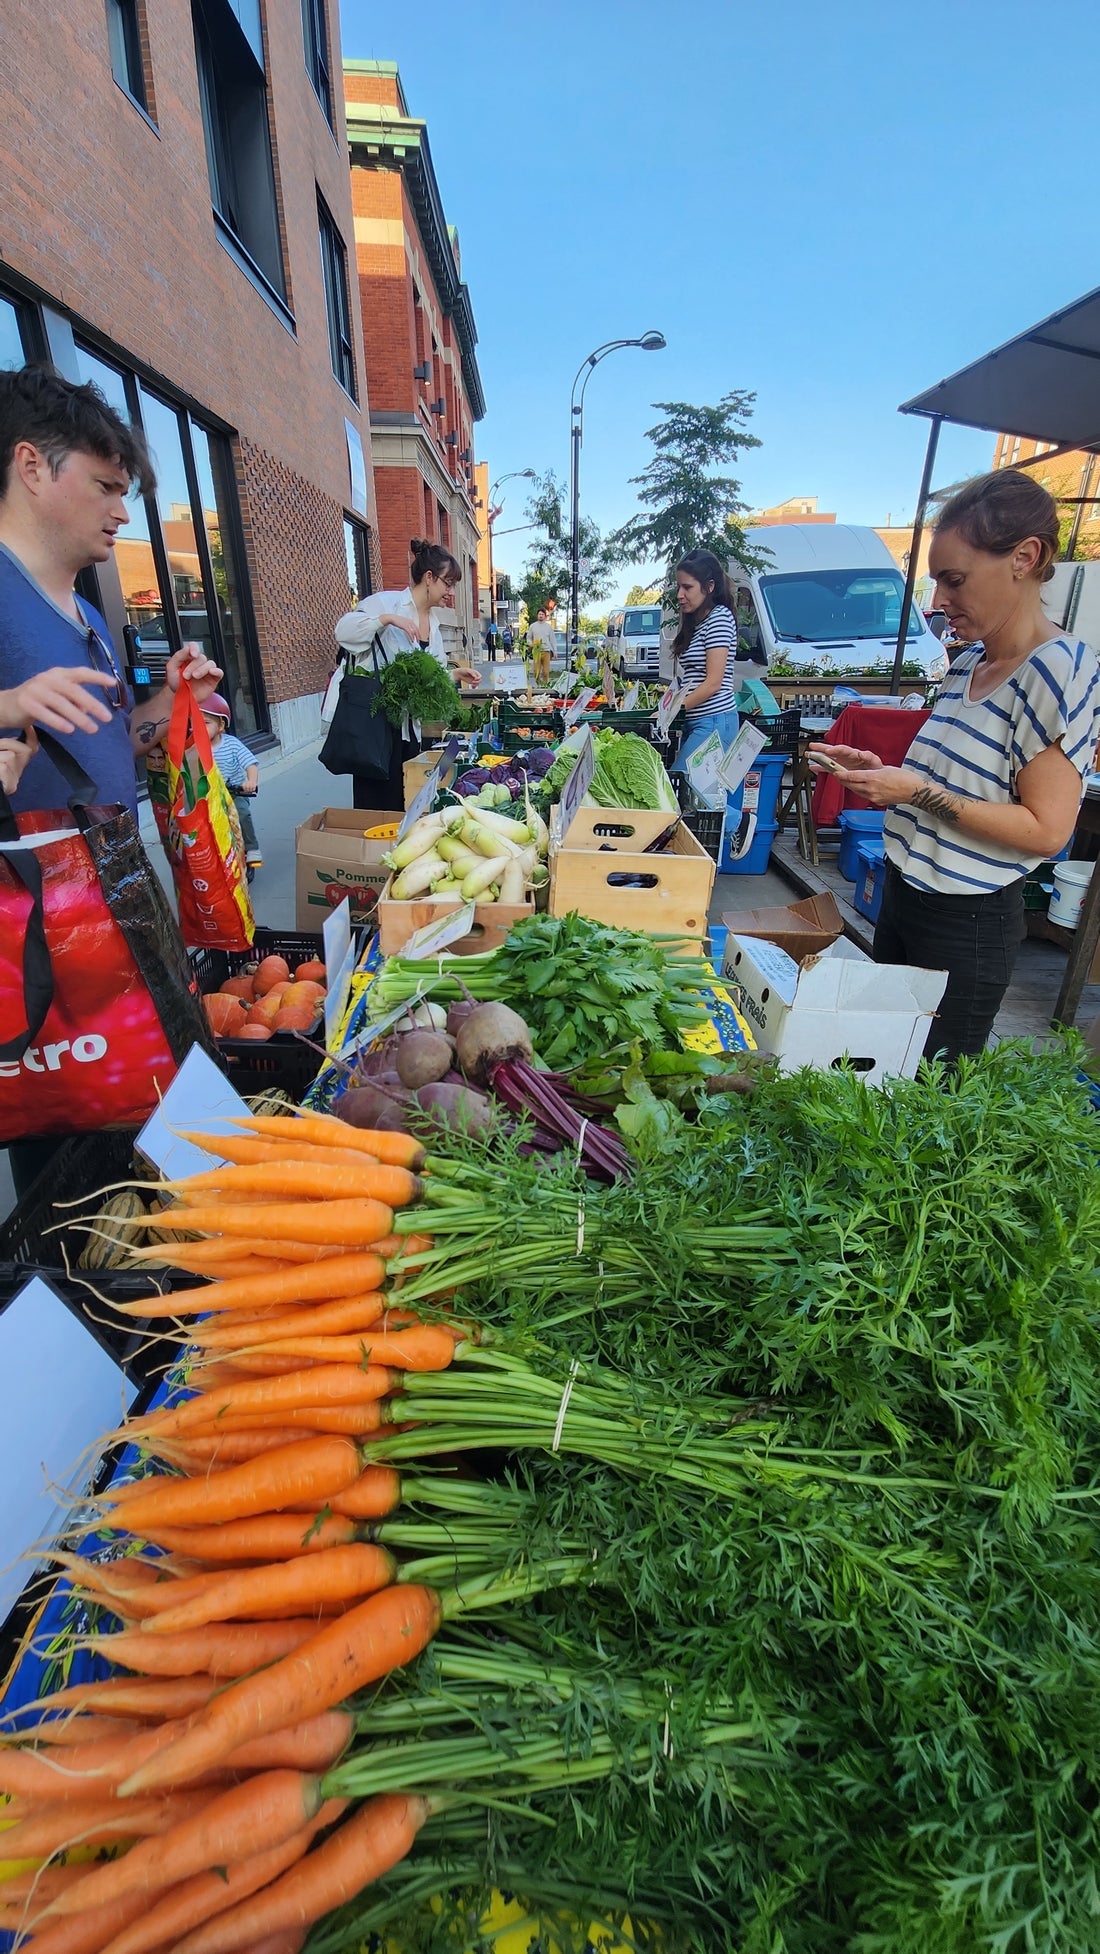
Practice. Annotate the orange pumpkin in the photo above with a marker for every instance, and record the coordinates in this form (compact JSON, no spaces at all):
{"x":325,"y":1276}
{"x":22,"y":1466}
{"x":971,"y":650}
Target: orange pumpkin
{"x":314,"y":970}
{"x":224,"y":1014}
{"x":272,"y":971}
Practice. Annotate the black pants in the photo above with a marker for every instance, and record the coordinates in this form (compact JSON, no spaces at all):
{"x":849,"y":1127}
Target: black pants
{"x":369,"y":791}
{"x":974,"y":938}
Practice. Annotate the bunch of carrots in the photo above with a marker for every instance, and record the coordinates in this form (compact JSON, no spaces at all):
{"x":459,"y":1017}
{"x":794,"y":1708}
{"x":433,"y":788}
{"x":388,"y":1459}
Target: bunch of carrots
{"x":254,"y":1588}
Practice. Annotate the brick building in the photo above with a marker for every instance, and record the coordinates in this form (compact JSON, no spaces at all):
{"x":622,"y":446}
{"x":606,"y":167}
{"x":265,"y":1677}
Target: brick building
{"x":1072,"y":478}
{"x":419,"y":338}
{"x":176,"y":225}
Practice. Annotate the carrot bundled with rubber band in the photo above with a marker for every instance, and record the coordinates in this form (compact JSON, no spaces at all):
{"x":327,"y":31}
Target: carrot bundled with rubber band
{"x":225,"y":1653}
{"x":352,"y":1223}
{"x":310,"y":1469}
{"x":91,"y":1933}
{"x":69,"y":1777}
{"x":267,"y":1537}
{"x":249,"y":1150}
{"x":145,"y":1697}
{"x":339,"y":1317}
{"x":345,"y":1274}
{"x":287,"y":1180}
{"x":352,"y":1421}
{"x":420,"y":1347}
{"x":94,"y":1821}
{"x":375,"y":1838}
{"x":252,"y":1817}
{"x":300,"y":1585}
{"x":328,"y":1385}
{"x":383,"y":1633}
{"x":322,"y":1130}
{"x":210,"y":1893}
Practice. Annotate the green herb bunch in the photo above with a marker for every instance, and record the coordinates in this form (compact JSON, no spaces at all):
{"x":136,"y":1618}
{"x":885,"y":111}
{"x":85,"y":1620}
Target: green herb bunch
{"x":415,"y":686}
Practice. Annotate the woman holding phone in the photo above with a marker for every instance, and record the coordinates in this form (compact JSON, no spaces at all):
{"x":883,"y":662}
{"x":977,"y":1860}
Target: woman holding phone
{"x":993,"y":780}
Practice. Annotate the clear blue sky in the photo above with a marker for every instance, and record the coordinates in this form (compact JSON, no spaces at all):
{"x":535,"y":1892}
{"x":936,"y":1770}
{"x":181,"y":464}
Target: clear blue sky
{"x":833,"y":206}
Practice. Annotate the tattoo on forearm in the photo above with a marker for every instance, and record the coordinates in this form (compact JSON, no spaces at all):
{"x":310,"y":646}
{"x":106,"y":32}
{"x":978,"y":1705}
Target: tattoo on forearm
{"x":147,"y":730}
{"x":934,"y":801}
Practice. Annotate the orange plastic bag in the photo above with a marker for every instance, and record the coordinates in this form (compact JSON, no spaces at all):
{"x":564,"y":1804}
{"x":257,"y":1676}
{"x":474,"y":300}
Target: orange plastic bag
{"x":198,"y":825}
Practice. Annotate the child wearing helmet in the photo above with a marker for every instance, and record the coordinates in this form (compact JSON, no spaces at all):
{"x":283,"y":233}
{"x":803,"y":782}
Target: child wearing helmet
{"x":239,"y":771}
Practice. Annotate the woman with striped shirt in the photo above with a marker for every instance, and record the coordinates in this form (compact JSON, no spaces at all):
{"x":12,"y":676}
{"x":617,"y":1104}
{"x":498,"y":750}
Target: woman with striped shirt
{"x":993,"y":780}
{"x":705,"y":651}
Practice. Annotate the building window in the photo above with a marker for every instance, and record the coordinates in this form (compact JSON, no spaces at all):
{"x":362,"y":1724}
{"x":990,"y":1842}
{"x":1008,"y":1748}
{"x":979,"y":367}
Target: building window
{"x":233,"y":93}
{"x":315,"y":36}
{"x":124,"y":36}
{"x":13,"y":346}
{"x":334,"y":268}
{"x":357,"y":548}
{"x":1014,"y":454}
{"x":429,"y":513}
{"x":444,"y":526}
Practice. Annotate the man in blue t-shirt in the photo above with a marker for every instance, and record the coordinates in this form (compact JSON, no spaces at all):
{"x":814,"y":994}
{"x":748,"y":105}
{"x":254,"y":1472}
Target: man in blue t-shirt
{"x":67,"y":463}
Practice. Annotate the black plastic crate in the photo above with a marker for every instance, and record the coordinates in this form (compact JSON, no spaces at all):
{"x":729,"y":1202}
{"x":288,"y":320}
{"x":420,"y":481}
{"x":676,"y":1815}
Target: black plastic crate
{"x":782,"y":728}
{"x":30,"y":1244}
{"x":703,"y":822}
{"x":253,"y":1064}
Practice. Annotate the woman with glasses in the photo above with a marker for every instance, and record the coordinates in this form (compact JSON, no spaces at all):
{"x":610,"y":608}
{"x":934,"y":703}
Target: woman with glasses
{"x":391,"y":622}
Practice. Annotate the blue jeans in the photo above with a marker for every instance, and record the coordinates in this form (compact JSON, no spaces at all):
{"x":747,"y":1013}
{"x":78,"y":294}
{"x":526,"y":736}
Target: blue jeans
{"x":699,"y":728}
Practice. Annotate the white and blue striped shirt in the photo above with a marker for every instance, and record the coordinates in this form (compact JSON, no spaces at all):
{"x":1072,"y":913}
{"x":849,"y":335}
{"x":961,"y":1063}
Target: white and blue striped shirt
{"x":977,"y":748}
{"x":719,"y":627}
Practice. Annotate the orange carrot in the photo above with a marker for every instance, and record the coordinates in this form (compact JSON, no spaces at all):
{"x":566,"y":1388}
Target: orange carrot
{"x":147,"y":1698}
{"x":263,"y":1812}
{"x":315,"y":1744}
{"x":354,"y":1420}
{"x":92,"y":1821}
{"x":210,"y":1893}
{"x":63,"y":1733}
{"x":376,"y":1837}
{"x":321,"y":1130}
{"x":426,"y":1347}
{"x":329,"y":1384}
{"x":202,"y":1455}
{"x":268,"y":1536}
{"x":376,"y":1492}
{"x":255,"y":1593}
{"x":336,"y":1318}
{"x":41,"y":1885}
{"x":69,"y":1775}
{"x":216,"y":1651}
{"x":381,"y":1634}
{"x":242,"y":1150}
{"x":310,"y":1469}
{"x":92,"y":1932}
{"x":335,"y":1275}
{"x":353,"y":1224}
{"x":291,"y":1180}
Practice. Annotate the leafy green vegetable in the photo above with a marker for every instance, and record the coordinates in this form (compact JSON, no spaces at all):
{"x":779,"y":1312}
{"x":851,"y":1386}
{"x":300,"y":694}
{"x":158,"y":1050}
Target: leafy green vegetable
{"x":629,"y":773}
{"x":414,"y":686}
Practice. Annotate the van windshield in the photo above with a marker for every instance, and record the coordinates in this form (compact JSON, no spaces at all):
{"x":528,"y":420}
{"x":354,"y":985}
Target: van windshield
{"x":641,"y":624}
{"x":830,"y":606}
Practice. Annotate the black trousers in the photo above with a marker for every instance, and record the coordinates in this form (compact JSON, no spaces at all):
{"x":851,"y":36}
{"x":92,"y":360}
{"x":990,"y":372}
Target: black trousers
{"x":389,"y":794}
{"x":975,"y":938}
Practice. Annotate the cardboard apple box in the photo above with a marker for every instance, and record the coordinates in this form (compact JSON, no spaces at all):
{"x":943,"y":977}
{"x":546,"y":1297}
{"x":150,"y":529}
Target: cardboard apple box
{"x":334,"y":860}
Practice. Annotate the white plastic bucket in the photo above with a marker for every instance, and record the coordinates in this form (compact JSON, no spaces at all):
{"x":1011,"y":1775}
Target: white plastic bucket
{"x":1071,"y":879}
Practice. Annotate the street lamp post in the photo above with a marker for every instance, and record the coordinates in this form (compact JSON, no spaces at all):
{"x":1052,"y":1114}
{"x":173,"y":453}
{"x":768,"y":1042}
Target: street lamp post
{"x":491,"y":514}
{"x":650,"y":342}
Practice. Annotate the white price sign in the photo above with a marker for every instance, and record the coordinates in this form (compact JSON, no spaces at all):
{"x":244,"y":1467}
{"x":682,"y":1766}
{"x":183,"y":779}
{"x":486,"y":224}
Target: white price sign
{"x":339,"y":963}
{"x":578,"y":783}
{"x":436,"y":936}
{"x":573,"y":712}
{"x":739,"y":757}
{"x":671,"y":702}
{"x":630,"y":699}
{"x":430,"y":789}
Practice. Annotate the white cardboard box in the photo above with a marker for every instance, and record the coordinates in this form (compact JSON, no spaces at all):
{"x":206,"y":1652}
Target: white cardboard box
{"x":833,"y":1006}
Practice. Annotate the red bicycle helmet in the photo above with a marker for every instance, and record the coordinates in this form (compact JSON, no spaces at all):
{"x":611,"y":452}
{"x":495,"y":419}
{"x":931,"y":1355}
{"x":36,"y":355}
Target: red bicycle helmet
{"x":215,"y":705}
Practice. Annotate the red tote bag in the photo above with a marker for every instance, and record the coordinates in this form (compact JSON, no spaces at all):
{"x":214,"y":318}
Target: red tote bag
{"x":98,"y":1003}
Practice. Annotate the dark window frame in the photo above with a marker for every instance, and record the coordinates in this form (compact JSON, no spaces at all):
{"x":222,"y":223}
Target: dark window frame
{"x":359,"y":534}
{"x":315,"y":39}
{"x":334,"y":274}
{"x":240,"y":156}
{"x":124,"y":43}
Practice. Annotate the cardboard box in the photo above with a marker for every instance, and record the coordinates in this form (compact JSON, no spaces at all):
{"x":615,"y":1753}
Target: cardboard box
{"x":335,"y":860}
{"x":601,"y":870}
{"x":822,"y":1008}
{"x":415,"y":772}
{"x":492,"y":921}
{"x":803,"y":929}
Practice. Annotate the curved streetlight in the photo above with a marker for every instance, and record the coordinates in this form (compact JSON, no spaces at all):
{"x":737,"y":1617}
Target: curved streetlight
{"x":491,"y":514}
{"x":650,"y":342}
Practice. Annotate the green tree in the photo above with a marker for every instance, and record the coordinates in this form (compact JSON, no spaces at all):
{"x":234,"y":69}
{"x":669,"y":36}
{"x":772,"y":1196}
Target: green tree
{"x":643,"y":594}
{"x":548,"y":570}
{"x":686,"y":505}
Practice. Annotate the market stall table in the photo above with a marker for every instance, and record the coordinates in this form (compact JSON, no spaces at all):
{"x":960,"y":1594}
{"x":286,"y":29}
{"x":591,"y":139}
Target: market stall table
{"x":888,"y":731}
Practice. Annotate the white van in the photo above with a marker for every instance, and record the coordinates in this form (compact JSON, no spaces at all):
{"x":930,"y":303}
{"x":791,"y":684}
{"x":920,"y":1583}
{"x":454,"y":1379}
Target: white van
{"x":830,"y":595}
{"x":635,"y":634}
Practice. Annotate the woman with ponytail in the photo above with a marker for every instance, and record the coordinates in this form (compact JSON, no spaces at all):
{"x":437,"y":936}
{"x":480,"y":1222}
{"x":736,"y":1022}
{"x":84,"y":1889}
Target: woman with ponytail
{"x":992,"y":783}
{"x":411,"y":614}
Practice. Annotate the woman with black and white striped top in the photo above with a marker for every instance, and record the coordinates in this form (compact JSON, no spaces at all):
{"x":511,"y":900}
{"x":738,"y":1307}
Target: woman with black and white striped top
{"x":705,"y":651}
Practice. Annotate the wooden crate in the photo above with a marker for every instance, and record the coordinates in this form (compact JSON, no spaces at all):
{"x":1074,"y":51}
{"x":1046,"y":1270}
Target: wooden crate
{"x":605,"y":843}
{"x":492,"y":921}
{"x":415,"y":772}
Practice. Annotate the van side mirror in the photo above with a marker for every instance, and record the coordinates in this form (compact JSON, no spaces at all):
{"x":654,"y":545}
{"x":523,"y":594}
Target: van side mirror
{"x":937,"y":623}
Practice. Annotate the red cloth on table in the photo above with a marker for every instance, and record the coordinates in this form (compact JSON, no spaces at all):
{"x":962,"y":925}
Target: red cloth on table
{"x":888,"y":731}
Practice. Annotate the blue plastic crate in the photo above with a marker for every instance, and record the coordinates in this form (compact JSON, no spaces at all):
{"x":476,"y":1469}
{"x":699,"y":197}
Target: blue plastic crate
{"x":857,"y":825}
{"x":870,"y":880}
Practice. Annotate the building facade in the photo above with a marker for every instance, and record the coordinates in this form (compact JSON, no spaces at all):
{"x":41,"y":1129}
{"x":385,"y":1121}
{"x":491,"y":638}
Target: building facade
{"x":176,"y":225}
{"x":1074,"y":481}
{"x":419,"y":341}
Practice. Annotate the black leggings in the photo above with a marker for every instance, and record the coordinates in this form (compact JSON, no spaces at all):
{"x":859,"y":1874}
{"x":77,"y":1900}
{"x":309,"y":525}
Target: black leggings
{"x":974,"y":938}
{"x":369,"y":791}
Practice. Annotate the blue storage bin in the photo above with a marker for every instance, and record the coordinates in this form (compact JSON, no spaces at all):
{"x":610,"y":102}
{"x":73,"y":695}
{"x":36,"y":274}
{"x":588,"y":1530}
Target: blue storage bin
{"x":764,"y":779}
{"x":857,"y":825}
{"x":755,"y":862}
{"x":870,"y":880}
